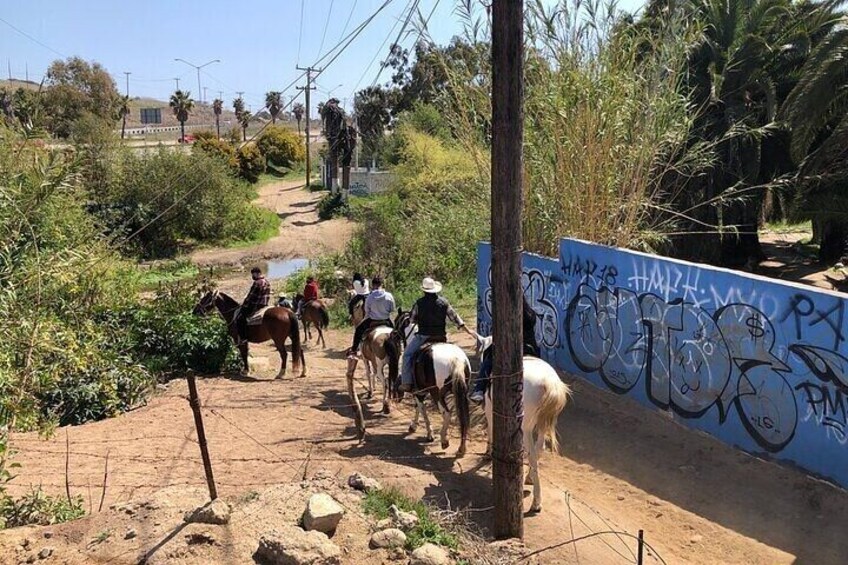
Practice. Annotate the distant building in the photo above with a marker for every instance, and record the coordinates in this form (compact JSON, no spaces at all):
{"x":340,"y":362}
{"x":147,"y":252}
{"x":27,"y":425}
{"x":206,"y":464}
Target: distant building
{"x":151,"y":115}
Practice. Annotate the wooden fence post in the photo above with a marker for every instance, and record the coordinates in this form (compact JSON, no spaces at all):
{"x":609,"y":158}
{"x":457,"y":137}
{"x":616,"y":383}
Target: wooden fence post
{"x":194,"y":402}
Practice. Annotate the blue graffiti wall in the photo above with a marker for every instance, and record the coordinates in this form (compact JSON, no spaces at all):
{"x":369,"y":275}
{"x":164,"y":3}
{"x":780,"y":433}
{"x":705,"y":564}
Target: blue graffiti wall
{"x":760,"y":364}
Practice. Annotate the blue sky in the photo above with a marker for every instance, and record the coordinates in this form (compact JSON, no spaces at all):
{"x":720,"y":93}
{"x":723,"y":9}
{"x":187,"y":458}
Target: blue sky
{"x":258,"y":43}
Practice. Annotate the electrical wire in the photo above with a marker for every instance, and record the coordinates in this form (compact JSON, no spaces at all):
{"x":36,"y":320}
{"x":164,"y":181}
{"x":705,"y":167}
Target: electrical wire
{"x":350,"y":15}
{"x":326,"y":25}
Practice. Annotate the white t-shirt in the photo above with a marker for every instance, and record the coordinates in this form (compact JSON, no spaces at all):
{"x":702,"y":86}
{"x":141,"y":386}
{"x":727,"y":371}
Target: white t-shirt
{"x":361,"y":287}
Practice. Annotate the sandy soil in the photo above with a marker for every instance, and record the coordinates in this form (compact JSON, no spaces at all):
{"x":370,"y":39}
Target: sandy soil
{"x":301,"y":233}
{"x":623,"y":468}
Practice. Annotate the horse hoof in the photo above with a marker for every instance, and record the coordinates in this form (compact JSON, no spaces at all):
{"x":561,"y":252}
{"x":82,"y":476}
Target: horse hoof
{"x":386,"y":409}
{"x":430,"y":438}
{"x":460,"y":452}
{"x":412,"y":429}
{"x":535,"y":508}
{"x":369,"y":395}
{"x":445,"y":444}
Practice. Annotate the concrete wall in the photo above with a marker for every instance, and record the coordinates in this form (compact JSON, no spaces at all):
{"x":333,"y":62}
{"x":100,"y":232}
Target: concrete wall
{"x":760,"y":364}
{"x":366,"y":183}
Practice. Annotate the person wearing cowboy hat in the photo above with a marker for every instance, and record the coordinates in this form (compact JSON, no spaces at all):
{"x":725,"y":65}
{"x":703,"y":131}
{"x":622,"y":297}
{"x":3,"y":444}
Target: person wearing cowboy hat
{"x":283,"y":301}
{"x":431,"y":313}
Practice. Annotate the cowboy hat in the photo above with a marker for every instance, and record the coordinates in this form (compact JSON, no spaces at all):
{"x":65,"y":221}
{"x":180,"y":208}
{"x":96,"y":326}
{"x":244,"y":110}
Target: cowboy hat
{"x":430,"y":286}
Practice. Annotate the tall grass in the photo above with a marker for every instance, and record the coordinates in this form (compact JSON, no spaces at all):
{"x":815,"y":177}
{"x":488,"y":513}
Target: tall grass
{"x":606,"y":124}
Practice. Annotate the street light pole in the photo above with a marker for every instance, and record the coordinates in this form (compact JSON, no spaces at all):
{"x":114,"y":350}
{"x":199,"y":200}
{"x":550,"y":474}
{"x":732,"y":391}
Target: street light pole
{"x":198,"y":67}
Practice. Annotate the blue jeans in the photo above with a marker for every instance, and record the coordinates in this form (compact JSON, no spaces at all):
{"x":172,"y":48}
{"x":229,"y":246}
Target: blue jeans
{"x":483,"y":377}
{"x":411,"y":349}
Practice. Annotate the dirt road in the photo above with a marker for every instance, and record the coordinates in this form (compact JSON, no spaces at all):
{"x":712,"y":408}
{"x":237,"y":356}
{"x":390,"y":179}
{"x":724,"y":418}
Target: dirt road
{"x":301,"y":233}
{"x":622,"y":468}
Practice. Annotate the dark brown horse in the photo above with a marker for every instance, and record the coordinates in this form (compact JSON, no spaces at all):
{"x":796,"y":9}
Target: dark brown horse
{"x":313,"y":313}
{"x":278,"y":324}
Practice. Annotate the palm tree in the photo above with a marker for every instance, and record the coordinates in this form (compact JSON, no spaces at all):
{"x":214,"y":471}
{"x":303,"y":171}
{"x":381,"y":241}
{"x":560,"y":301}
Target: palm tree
{"x":218,"y":108}
{"x":816,"y":116}
{"x":244,"y":119}
{"x":124,"y":111}
{"x":181,"y":104}
{"x":274,"y":102}
{"x":298,"y":110}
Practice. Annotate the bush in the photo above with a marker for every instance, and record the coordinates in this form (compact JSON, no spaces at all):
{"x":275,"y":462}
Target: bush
{"x":168,"y":338}
{"x":428,"y":530}
{"x":235,"y":136}
{"x":430,"y":219}
{"x":251,"y":162}
{"x":170,"y":199}
{"x":220,"y":149}
{"x":331,"y":206}
{"x":37,"y":508}
{"x":281,"y":147}
{"x":204,"y":134}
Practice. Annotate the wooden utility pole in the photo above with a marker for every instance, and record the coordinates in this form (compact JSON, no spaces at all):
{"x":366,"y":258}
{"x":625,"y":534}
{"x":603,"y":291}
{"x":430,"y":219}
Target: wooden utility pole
{"x":194,"y":402}
{"x":507,"y":169}
{"x":125,"y":107}
{"x":307,"y":89}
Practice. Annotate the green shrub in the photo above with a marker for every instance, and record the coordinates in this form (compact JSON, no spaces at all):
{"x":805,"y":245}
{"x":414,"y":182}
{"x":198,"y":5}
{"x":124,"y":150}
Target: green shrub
{"x":331,"y":206}
{"x":218,"y":148}
{"x":281,"y":147}
{"x":37,"y":508}
{"x":428,"y":530}
{"x":204,"y":134}
{"x":251,"y":162}
{"x":234,"y":136}
{"x":430,"y":219}
{"x":317,"y":187}
{"x":169,"y":200}
{"x":168,"y":338}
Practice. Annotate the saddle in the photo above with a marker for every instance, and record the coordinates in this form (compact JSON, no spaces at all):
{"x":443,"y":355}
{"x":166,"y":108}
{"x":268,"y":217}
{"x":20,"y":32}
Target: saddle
{"x":428,"y":345}
{"x":255,"y":319}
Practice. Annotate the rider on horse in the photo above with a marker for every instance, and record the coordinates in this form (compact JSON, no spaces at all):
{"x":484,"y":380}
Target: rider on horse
{"x":378,"y":311}
{"x":283,"y":301}
{"x":431,"y":312}
{"x":528,"y":323}
{"x":360,"y":290}
{"x":256,"y":299}
{"x":310,"y":293}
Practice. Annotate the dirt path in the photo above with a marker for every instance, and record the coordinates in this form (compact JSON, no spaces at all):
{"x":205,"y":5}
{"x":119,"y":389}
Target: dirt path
{"x":301,"y":233}
{"x":623,"y":468}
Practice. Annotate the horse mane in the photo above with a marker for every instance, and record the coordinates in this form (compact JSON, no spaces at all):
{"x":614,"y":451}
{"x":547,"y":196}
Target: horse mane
{"x":228,"y":300}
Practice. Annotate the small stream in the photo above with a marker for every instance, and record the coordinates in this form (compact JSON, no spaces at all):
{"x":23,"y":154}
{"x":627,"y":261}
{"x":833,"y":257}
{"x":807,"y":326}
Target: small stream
{"x":280,"y":269}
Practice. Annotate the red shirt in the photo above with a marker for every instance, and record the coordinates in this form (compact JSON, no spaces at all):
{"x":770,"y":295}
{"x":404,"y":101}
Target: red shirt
{"x":310,"y":292}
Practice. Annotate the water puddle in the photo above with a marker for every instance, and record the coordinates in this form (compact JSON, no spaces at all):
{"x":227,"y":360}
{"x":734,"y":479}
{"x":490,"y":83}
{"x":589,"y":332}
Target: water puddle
{"x":285,"y":268}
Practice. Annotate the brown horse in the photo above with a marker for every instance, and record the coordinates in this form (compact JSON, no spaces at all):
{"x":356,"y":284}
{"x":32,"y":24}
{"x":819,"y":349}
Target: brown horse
{"x":278,"y":324}
{"x":313,"y":313}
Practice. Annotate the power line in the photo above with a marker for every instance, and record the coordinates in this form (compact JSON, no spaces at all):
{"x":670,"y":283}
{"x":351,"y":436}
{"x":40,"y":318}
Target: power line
{"x":326,"y":25}
{"x":300,"y":33}
{"x":350,"y":15}
{"x":385,"y":63}
{"x":31,"y":38}
{"x":380,"y":50}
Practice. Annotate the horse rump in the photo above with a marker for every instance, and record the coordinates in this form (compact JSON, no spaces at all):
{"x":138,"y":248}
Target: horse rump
{"x":325,"y":317}
{"x":392,"y":348}
{"x":551,"y":405}
{"x":297,"y":349}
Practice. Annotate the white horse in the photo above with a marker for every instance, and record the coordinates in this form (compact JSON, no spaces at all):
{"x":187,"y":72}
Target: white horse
{"x":545,"y":396}
{"x":439,"y":369}
{"x":380,"y":349}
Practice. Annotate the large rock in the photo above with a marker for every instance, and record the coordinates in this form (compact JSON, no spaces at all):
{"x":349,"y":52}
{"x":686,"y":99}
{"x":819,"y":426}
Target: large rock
{"x":389,"y":538}
{"x":359,"y":481}
{"x":216,"y":512}
{"x":429,"y":554}
{"x":322,"y":513}
{"x":404,"y":520}
{"x":293,"y":546}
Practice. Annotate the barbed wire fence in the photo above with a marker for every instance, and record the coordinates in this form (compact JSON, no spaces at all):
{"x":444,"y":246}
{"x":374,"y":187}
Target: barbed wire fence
{"x":185,"y":468}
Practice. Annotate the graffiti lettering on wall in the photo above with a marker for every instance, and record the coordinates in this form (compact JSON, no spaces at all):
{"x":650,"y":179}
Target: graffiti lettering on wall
{"x":760,"y":364}
{"x":690,"y":361}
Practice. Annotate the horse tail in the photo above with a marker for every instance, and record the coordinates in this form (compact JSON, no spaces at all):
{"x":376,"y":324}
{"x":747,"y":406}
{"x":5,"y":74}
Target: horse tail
{"x":554,"y":397}
{"x":460,"y":375}
{"x":297,"y":350}
{"x":392,"y":348}
{"x":325,"y":317}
